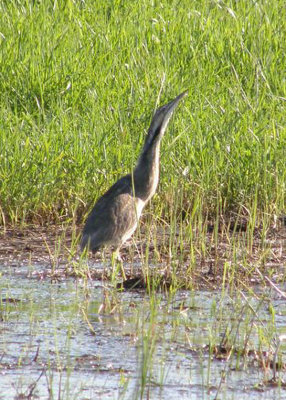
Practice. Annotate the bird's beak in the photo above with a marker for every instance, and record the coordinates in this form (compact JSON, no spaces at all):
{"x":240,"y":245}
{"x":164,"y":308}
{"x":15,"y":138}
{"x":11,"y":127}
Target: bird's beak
{"x":160,"y":121}
{"x":170,"y":107}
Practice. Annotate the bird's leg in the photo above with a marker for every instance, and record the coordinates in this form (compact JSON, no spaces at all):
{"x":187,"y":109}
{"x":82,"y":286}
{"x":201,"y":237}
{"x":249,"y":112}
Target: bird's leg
{"x":116,"y":255}
{"x":116,"y":258}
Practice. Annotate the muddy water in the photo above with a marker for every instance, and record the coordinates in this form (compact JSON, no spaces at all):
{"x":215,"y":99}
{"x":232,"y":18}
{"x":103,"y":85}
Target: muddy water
{"x":80,"y":340}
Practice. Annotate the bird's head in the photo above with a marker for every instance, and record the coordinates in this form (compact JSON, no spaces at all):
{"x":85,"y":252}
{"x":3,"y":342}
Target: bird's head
{"x":161,"y":118}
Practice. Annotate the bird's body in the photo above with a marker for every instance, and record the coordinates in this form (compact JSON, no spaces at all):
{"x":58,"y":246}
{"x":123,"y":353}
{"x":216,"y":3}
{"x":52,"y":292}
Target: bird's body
{"x":115,"y":215}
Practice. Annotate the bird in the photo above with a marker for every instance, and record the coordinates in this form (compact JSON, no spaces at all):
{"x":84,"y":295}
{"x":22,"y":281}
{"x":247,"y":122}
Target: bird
{"x":115,"y":215}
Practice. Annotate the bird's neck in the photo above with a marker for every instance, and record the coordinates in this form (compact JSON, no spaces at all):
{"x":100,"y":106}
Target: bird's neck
{"x":146,"y":173}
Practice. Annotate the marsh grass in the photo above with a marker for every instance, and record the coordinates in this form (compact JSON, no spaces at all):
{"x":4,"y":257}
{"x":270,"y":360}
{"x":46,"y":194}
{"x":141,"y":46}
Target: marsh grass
{"x":65,"y":328}
{"x":79,"y":83}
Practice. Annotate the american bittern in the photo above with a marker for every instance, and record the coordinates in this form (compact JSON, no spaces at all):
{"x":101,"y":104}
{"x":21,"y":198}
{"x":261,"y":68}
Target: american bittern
{"x":115,"y":215}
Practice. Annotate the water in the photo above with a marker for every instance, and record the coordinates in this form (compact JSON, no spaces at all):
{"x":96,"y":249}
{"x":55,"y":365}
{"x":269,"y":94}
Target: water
{"x":81,"y":340}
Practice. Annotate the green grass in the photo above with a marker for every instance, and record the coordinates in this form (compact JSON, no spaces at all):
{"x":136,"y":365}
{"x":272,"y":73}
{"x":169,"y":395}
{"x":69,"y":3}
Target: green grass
{"x":79,"y":82}
{"x":76,"y":339}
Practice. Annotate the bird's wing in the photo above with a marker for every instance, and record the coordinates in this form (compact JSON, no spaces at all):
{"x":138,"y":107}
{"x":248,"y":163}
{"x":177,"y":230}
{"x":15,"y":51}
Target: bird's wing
{"x":112,"y":217}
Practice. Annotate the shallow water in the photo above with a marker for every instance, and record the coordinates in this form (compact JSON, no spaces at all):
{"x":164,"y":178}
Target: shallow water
{"x":82,"y":340}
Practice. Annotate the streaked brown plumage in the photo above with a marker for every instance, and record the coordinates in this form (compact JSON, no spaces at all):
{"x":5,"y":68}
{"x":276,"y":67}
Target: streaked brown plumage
{"x":115,"y":215}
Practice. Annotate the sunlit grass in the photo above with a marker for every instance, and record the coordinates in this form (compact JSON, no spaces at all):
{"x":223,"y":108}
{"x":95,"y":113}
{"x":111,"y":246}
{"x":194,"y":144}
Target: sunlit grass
{"x":79,"y":83}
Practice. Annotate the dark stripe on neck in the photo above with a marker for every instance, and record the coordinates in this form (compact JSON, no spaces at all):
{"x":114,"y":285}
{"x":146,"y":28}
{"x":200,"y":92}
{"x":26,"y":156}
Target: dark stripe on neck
{"x":151,"y":138}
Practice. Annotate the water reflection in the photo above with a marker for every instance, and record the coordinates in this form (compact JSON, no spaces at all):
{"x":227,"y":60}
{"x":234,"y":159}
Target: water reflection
{"x":79,"y":340}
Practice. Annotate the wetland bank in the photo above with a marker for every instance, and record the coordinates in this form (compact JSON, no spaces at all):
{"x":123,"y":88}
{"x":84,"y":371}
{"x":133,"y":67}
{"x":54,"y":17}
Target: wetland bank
{"x":68,"y":331}
{"x":79,"y":81}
